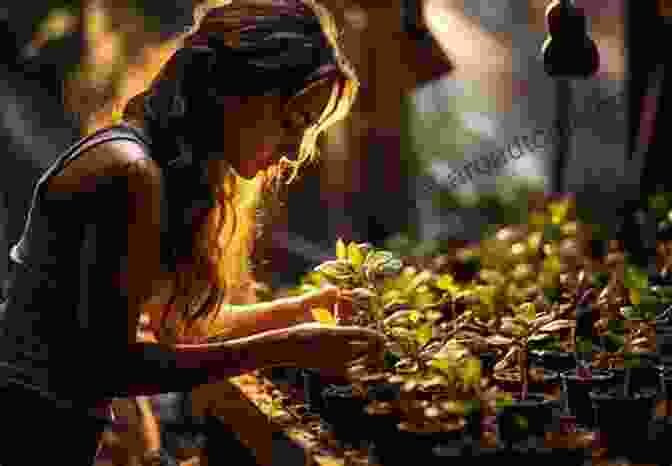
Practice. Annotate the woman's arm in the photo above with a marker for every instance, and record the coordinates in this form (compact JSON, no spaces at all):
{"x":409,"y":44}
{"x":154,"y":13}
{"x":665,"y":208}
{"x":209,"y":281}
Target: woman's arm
{"x":238,"y":321}
{"x":150,"y":368}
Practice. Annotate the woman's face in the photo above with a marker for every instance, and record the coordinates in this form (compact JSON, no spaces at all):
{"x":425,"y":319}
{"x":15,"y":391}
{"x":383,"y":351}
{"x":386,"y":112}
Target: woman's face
{"x":263,"y":129}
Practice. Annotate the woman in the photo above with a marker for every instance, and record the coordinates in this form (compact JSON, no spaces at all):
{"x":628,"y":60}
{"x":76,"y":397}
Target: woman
{"x":132,"y":216}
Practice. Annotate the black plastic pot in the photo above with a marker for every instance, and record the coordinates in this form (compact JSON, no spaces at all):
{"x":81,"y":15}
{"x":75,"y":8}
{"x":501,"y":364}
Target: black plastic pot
{"x":488,"y":361}
{"x":623,"y":422}
{"x":312,"y":387}
{"x":559,"y":361}
{"x":577,"y":393}
{"x":394,"y":448}
{"x":344,"y":412}
{"x":521,"y":420}
{"x":384,"y":392}
{"x":541,"y":385}
{"x":649,"y":378}
{"x":664,"y":342}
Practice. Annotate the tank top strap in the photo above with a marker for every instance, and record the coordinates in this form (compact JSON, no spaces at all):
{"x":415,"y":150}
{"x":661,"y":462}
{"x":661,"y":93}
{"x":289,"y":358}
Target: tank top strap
{"x":119,"y":132}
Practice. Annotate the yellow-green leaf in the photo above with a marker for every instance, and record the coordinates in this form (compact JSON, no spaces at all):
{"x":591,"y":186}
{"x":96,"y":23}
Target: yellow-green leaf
{"x":422,"y":299}
{"x":534,"y":240}
{"x":391,"y":295}
{"x":552,"y":264}
{"x":420,"y":279}
{"x":355,"y":254}
{"x":424,"y":334}
{"x":443,"y":365}
{"x":341,"y":250}
{"x":537,"y":219}
{"x":528,"y":311}
{"x":451,"y":351}
{"x":471,"y":372}
{"x":558,"y":211}
{"x":323,"y":316}
{"x":635,"y":296}
{"x":446,"y":283}
{"x":414,"y":316}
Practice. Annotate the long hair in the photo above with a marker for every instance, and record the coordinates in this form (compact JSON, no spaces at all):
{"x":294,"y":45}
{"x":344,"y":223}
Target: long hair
{"x":213,"y":249}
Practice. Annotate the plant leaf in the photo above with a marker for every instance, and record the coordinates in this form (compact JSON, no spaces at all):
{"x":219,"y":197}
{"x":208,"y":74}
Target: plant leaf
{"x":338,"y":270}
{"x":420,"y":279}
{"x":558,"y":211}
{"x":447,"y":283}
{"x":635,"y":277}
{"x":424,"y":333}
{"x":323,"y":316}
{"x":341,"y":250}
{"x":557,"y":325}
{"x":471,"y":372}
{"x":441,"y":364}
{"x":355,"y":255}
{"x":528,"y":311}
{"x":635,"y":296}
{"x":499,"y":340}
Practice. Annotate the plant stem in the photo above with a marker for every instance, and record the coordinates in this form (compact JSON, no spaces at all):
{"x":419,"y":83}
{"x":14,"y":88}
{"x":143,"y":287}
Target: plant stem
{"x":523,"y":363}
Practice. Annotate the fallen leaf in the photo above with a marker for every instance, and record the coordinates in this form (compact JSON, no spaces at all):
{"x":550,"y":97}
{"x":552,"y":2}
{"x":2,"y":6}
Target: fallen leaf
{"x":557,"y":325}
{"x":499,"y":340}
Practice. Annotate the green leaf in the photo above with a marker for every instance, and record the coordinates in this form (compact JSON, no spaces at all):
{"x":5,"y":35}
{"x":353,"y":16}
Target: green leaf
{"x":665,"y":291}
{"x":544,"y":342}
{"x":414,"y":316}
{"x":614,"y":342}
{"x":584,"y":345}
{"x":423,"y":334}
{"x":552,"y":294}
{"x":471,"y":406}
{"x":355,"y":255}
{"x":471,"y":372}
{"x":390,"y":360}
{"x":307,"y":288}
{"x":521,"y":422}
{"x":552,"y":232}
{"x":616,"y":325}
{"x":338,"y":270}
{"x":503,"y":403}
{"x":528,"y":311}
{"x":635,"y":277}
{"x":443,"y":365}
{"x":447,"y":283}
{"x":600,"y":279}
{"x":418,"y":280}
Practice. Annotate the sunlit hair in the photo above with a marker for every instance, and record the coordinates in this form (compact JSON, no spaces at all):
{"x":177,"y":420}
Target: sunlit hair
{"x":219,"y":271}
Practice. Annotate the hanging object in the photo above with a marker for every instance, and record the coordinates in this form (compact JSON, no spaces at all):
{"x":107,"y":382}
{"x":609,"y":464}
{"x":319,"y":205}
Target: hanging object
{"x":412,"y":21}
{"x":569,"y":51}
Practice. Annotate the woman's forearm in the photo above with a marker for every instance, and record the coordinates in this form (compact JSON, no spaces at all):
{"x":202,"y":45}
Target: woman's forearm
{"x":239,"y":321}
{"x":150,"y":368}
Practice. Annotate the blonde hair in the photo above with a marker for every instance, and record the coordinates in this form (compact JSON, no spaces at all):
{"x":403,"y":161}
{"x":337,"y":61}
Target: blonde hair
{"x":212,"y":280}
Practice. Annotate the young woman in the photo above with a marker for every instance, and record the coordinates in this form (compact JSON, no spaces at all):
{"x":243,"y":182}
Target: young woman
{"x":134,"y":213}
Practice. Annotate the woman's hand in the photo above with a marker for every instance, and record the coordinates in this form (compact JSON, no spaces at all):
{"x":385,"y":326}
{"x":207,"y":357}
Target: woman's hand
{"x":334,"y":349}
{"x":338,"y":301}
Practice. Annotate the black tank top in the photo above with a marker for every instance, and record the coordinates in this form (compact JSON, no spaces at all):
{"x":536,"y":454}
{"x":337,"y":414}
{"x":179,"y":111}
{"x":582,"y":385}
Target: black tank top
{"x":59,"y":305}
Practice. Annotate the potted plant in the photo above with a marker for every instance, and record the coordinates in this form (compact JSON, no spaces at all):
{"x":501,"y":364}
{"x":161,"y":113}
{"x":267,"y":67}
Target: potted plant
{"x":516,"y":333}
{"x":613,"y":405}
{"x":634,"y":399}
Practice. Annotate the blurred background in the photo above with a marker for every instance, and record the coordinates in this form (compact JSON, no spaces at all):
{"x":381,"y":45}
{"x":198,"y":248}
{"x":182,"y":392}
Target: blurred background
{"x":454,"y":119}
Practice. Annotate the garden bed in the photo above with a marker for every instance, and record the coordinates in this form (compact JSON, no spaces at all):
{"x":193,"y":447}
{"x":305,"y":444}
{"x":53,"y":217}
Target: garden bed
{"x":540,"y":298}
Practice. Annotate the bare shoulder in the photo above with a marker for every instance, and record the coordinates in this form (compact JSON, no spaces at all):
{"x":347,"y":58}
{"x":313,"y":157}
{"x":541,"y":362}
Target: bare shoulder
{"x":111,"y":159}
